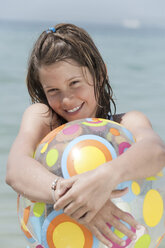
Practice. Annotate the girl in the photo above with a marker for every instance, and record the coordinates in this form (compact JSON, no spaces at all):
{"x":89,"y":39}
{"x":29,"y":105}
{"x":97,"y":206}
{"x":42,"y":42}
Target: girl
{"x":67,"y":80}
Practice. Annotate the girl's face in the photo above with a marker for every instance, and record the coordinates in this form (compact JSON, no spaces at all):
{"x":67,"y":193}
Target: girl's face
{"x":69,"y":90}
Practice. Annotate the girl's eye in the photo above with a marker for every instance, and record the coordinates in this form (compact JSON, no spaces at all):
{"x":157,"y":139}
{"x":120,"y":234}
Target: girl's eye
{"x":51,"y":91}
{"x":74,"y":82}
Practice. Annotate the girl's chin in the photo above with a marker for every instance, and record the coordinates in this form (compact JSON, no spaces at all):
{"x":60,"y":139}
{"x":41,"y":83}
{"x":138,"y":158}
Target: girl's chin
{"x":74,"y":116}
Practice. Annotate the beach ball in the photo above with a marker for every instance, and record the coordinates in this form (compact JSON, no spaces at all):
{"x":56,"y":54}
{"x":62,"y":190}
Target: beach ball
{"x":77,"y":147}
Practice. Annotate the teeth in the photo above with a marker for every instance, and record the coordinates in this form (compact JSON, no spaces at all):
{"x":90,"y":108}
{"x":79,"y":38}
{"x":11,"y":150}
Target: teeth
{"x":74,"y":109}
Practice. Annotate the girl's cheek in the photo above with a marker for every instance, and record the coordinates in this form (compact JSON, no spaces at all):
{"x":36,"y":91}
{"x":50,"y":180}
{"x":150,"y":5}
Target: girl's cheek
{"x":80,"y":92}
{"x":52,"y":102}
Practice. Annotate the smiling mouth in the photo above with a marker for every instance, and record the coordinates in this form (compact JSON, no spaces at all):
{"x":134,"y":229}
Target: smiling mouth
{"x":75,"y":109}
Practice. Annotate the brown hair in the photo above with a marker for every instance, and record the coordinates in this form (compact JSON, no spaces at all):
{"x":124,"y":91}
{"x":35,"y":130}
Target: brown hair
{"x":70,"y":42}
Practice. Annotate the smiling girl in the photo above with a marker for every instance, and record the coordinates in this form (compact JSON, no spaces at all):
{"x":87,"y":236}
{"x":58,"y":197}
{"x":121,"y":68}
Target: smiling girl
{"x":67,"y":80}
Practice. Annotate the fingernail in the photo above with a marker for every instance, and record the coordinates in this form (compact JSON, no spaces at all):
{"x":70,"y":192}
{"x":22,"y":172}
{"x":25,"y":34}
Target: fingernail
{"x":123,"y":243}
{"x":134,"y":237}
{"x":138,"y":226}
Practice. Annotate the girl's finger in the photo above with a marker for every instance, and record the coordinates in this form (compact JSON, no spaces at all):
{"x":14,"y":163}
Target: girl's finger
{"x":73,"y":210}
{"x":108,"y":234}
{"x":117,"y":224}
{"x":88,"y":216}
{"x":126,"y":217}
{"x":80,"y":213}
{"x":95,"y":231}
{"x":119,"y":193}
{"x":130,"y":220}
{"x":65,"y":185}
{"x":57,"y":189}
{"x":63,"y":202}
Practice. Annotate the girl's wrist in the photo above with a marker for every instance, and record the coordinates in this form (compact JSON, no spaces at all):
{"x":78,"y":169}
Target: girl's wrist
{"x":114,"y":172}
{"x":53,"y":180}
{"x":108,"y":176}
{"x":53,"y":188}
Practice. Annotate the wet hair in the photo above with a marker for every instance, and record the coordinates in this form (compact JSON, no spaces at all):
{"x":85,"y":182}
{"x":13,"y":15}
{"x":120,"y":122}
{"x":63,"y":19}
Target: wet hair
{"x":69,"y":42}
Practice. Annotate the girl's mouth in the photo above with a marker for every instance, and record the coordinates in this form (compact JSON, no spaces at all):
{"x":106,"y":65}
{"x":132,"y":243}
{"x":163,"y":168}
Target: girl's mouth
{"x":75,"y":109}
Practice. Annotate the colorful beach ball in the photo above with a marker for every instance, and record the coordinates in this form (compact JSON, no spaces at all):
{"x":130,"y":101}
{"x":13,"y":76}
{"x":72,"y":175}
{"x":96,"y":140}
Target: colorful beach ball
{"x":75,"y":148}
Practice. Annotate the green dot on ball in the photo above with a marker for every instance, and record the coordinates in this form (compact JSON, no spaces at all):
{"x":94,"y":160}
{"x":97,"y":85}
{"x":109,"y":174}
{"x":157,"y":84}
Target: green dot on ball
{"x":51,"y":157}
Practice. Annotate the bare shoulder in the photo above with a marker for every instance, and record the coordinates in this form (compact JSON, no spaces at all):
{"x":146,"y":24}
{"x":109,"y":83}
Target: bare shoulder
{"x":37,"y":108}
{"x":135,"y":118}
{"x":36,"y":122}
{"x":36,"y":114}
{"x":137,"y":123}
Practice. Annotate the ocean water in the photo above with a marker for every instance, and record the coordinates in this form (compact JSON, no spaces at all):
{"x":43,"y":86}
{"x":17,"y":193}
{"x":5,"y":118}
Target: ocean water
{"x":135,"y":60}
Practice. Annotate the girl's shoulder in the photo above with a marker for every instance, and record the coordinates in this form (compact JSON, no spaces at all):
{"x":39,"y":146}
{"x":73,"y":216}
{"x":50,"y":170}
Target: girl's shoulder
{"x":135,"y":121}
{"x":37,"y":112}
{"x":135,"y":118}
{"x":37,"y":107}
{"x":129,"y":118}
{"x":38,"y":118}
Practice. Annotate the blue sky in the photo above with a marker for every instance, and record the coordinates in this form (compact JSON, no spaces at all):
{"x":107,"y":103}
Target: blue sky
{"x":91,"y":11}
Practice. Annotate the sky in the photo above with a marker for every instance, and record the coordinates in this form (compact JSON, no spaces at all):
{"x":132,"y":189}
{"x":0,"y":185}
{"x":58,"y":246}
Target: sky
{"x":90,"y":11}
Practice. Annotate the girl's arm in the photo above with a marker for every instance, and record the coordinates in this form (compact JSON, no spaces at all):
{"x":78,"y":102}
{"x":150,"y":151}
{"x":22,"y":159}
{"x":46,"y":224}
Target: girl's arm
{"x":88,"y":192}
{"x":147,"y":156}
{"x":24,"y":174}
{"x":32,"y":180}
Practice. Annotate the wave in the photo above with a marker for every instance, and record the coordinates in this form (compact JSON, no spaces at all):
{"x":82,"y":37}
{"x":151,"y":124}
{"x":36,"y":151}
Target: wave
{"x":131,"y":23}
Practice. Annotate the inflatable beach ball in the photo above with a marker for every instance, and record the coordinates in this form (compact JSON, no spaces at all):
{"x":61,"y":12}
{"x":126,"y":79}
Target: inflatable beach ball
{"x":75,"y":148}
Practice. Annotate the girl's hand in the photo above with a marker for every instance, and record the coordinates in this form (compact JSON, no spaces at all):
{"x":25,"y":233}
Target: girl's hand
{"x":111,"y":214}
{"x":82,"y":196}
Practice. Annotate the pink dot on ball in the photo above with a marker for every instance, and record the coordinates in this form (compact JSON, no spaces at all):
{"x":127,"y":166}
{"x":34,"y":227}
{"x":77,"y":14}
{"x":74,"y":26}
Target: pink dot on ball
{"x":71,"y":130}
{"x":123,"y":147}
{"x":39,"y":246}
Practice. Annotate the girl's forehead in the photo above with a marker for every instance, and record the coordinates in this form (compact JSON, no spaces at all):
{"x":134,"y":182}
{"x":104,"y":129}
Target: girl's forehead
{"x":62,"y":71}
{"x":66,"y":66}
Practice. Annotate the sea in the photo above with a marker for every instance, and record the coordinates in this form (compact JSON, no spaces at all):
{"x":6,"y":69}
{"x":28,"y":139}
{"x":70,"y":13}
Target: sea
{"x":135,"y":59}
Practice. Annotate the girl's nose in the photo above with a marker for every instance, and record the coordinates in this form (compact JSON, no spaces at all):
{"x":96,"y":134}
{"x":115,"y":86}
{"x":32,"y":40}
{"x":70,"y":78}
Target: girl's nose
{"x":66,"y":99}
